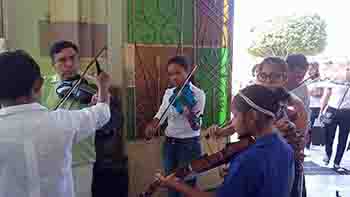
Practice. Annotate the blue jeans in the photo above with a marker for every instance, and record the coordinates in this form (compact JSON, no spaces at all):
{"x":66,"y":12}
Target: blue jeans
{"x":179,"y":152}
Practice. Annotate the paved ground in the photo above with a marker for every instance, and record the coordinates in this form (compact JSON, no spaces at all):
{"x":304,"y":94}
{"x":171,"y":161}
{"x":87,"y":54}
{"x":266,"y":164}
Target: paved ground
{"x":327,"y":185}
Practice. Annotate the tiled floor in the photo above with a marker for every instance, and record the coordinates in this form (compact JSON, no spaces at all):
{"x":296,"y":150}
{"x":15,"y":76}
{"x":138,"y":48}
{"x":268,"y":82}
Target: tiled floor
{"x":327,"y":185}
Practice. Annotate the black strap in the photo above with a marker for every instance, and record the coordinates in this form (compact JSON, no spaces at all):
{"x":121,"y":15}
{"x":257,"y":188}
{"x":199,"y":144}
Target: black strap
{"x":342,"y":100}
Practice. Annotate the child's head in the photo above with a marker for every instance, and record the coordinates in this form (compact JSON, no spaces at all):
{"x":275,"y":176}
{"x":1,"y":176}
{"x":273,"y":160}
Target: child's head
{"x":297,"y":67}
{"x":178,"y":69}
{"x":272,"y":72}
{"x":255,"y":108}
{"x":20,"y":78}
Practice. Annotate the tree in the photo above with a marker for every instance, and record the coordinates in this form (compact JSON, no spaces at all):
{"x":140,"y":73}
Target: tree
{"x":281,"y":36}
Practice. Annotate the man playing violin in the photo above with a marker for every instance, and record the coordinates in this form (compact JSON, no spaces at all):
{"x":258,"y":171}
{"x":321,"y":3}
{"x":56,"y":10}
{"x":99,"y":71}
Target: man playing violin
{"x":182,"y":142}
{"x":93,"y":172}
{"x":265,"y":168}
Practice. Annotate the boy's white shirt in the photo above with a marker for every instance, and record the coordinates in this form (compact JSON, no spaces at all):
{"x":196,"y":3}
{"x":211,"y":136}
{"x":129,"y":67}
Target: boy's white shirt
{"x":41,"y":140}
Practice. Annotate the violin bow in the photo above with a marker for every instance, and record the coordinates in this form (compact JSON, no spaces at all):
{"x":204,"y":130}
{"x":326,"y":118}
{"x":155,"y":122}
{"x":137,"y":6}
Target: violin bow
{"x":77,"y":84}
{"x":312,"y":77}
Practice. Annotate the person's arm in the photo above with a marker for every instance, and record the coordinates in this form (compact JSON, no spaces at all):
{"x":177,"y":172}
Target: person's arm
{"x":220,"y":132}
{"x":201,"y":102}
{"x":158,"y":119}
{"x":243,"y":178}
{"x":228,"y":130}
{"x":86,"y":121}
{"x":183,"y":188}
{"x":325,"y":98}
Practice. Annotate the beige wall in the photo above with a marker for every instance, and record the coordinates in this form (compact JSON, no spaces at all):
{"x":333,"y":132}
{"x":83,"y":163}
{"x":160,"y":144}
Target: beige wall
{"x":24,"y":28}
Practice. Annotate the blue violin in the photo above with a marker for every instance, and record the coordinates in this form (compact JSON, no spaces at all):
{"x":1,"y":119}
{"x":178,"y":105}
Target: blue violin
{"x":184,"y":104}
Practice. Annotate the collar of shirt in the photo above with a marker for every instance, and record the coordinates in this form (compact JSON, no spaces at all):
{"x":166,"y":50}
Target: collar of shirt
{"x":53,"y":79}
{"x":6,"y":111}
{"x":266,"y":139}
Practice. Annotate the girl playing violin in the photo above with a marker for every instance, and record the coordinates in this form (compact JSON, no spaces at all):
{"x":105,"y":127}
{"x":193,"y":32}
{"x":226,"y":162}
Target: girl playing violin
{"x":266,"y":168}
{"x":272,"y":73}
{"x":182,"y":135}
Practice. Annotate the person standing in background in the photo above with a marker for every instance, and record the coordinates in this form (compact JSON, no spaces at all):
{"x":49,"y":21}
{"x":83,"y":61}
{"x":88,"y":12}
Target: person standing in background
{"x":335,"y":106}
{"x":297,"y":68}
{"x":315,"y":100}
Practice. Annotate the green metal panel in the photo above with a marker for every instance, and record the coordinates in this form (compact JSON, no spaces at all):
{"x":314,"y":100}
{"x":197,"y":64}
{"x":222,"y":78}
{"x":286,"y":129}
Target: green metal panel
{"x":214,"y":77}
{"x":157,"y":21}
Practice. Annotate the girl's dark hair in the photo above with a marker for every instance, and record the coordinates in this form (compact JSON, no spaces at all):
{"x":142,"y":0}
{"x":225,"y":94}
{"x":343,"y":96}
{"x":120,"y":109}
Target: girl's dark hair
{"x":180,"y":60}
{"x":263,"y":97}
{"x":272,"y":61}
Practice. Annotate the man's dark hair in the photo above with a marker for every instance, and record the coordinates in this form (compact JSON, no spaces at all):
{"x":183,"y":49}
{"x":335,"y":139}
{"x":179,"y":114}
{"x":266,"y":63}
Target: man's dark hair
{"x":18,"y":73}
{"x":59,"y":46}
{"x":180,"y":60}
{"x":297,"y":61}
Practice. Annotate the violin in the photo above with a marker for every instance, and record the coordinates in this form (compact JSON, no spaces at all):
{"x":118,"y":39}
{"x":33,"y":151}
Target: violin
{"x":292,"y":121}
{"x":83,"y":93}
{"x":184,"y":104}
{"x":205,"y":163}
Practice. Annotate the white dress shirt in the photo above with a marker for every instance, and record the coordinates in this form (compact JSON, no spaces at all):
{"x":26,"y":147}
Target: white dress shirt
{"x":178,"y":125}
{"x":41,"y":141}
{"x":337,"y":95}
{"x":315,"y":102}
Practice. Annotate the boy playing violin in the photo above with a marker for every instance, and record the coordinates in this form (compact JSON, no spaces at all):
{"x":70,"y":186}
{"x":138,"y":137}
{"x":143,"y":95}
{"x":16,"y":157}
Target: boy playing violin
{"x":182,"y":142}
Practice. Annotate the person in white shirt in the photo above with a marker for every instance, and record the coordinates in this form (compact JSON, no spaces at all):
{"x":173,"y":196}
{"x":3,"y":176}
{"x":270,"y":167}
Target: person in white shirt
{"x":315,"y":93}
{"x":182,"y":143}
{"x":38,"y":142}
{"x":335,"y":104}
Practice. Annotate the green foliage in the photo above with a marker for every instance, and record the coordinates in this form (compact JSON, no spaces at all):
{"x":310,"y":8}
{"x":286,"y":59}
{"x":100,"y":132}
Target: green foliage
{"x":292,"y":34}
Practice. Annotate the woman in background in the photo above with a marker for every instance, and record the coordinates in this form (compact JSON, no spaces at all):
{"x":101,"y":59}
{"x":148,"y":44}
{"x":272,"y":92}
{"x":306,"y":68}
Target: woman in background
{"x":315,"y":100}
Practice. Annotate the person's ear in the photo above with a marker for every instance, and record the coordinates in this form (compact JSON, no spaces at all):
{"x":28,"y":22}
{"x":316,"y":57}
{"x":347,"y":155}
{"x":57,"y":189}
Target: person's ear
{"x":251,"y":117}
{"x":38,"y":83}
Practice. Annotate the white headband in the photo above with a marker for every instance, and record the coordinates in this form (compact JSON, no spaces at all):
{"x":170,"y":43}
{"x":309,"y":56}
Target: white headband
{"x":255,"y":106}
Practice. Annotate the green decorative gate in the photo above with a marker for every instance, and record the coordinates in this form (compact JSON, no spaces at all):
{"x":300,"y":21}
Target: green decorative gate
{"x":158,"y":30}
